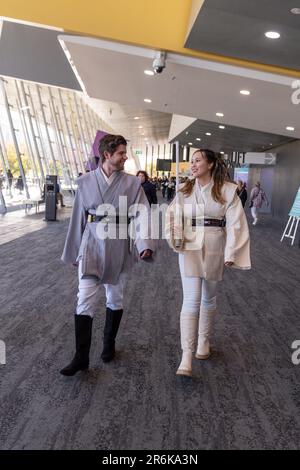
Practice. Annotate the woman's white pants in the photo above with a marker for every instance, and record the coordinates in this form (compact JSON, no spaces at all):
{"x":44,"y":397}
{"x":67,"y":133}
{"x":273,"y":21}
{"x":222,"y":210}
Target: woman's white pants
{"x":197,"y":292}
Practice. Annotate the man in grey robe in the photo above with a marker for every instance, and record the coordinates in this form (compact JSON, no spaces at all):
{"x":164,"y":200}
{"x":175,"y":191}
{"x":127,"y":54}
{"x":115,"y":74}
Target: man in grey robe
{"x":101,"y":260}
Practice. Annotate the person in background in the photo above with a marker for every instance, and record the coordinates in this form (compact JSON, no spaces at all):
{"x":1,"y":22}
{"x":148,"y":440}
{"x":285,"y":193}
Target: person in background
{"x":19,"y":184}
{"x":170,"y":189}
{"x":148,"y":187}
{"x":242,"y":192}
{"x":59,"y":196}
{"x":10,"y":177}
{"x":164,"y":185}
{"x":257,"y":199}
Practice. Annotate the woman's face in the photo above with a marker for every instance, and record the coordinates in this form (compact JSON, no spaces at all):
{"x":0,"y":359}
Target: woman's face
{"x":200,"y":166}
{"x":142,"y":177}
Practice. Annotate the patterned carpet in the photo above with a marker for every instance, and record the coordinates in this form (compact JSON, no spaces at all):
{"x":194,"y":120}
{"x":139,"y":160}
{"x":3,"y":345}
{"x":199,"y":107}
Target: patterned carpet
{"x":245,"y":397}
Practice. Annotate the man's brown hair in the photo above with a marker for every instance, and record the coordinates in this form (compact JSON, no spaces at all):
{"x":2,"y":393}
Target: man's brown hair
{"x":109,"y":143}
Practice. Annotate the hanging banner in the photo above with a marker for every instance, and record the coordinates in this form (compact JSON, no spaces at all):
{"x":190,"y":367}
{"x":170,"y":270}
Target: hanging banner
{"x":295,"y":211}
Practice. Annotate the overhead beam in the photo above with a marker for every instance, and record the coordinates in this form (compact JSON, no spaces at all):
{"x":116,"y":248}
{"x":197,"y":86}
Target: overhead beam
{"x":155,"y":24}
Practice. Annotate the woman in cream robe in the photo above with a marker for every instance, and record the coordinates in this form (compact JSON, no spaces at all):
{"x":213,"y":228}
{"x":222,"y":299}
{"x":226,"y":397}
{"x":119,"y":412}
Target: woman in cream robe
{"x":204,"y":247}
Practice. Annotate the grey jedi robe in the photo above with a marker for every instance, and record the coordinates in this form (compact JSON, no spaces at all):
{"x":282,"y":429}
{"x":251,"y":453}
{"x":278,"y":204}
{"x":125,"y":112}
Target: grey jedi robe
{"x":103,"y":258}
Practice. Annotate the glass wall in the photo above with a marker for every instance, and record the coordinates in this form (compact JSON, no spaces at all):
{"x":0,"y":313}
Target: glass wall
{"x":43,"y":130}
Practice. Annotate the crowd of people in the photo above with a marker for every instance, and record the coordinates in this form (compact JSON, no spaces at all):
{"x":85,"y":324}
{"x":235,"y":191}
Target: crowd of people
{"x":167,"y":187}
{"x":7,"y":182}
{"x":164,"y":184}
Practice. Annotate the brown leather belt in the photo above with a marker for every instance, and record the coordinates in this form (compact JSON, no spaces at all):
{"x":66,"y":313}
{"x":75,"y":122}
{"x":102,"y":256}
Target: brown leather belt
{"x":208,"y":223}
{"x":109,"y":219}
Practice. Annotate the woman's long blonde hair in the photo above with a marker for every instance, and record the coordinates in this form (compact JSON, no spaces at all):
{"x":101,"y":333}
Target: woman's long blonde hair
{"x":219,"y":175}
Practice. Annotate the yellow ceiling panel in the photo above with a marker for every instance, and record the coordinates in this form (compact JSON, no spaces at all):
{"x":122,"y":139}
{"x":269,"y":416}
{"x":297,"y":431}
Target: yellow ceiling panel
{"x":157,"y":24}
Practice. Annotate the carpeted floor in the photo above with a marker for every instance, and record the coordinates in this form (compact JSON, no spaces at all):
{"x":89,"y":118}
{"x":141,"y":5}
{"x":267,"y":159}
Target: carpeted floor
{"x":245,"y":397}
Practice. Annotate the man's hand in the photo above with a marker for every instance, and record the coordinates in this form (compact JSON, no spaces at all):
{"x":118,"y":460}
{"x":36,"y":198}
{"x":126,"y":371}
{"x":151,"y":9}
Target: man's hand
{"x":75,"y":264}
{"x":146,"y":254}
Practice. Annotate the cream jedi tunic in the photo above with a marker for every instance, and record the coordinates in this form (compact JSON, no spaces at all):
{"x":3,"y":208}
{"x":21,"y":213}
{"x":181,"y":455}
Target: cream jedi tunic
{"x":215,"y":245}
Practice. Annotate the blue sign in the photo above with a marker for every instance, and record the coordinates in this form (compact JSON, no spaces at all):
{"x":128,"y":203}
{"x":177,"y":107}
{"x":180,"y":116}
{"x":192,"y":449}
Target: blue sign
{"x":295,"y":211}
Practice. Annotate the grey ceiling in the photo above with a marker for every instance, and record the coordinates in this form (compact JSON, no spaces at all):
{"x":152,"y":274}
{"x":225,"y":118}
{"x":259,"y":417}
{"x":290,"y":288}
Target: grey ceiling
{"x":229,"y":139}
{"x":236,"y":28}
{"x":35,"y":54}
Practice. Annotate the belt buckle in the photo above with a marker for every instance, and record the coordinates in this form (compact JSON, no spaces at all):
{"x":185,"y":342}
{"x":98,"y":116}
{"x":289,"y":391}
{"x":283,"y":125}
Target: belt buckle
{"x":199,"y":222}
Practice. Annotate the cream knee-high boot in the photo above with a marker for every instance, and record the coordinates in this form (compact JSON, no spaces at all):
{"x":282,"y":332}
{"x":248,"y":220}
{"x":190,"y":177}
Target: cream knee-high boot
{"x":206,"y":319}
{"x":188,"y":333}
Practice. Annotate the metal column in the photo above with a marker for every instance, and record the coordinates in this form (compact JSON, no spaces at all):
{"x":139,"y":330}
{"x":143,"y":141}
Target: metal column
{"x":90,"y":137}
{"x":146,"y":158}
{"x":39,"y":135}
{"x":63,"y":107}
{"x":3,"y":208}
{"x":60,"y":139}
{"x":15,"y":141}
{"x":30,"y":120}
{"x":46,"y":124}
{"x":82,"y":134}
{"x":5,"y":171}
{"x":2,"y":141}
{"x":76,"y":133}
{"x":26,"y":135}
{"x":151,"y":168}
{"x":177,"y":165}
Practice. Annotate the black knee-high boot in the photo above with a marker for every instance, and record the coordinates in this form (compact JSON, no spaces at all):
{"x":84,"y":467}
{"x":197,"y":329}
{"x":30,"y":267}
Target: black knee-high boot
{"x":83,"y":337}
{"x":112,"y":323}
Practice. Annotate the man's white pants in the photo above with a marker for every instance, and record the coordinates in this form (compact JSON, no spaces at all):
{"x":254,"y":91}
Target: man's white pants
{"x":254,"y":212}
{"x":197,"y":292}
{"x":87,"y":294}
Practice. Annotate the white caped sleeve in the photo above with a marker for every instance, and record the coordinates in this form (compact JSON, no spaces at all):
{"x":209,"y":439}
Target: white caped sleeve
{"x":237,"y":247}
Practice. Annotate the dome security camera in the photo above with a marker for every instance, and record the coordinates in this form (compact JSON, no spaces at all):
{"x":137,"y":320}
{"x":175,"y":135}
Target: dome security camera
{"x":159,"y":62}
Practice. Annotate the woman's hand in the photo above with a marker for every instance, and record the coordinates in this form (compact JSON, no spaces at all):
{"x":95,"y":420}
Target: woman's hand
{"x":146,"y":254}
{"x":176,"y":232}
{"x":229,"y":263}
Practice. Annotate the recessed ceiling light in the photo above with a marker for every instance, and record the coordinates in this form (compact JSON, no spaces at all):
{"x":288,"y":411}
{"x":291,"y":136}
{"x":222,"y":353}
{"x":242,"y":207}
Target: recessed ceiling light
{"x":222,"y":153}
{"x":289,"y":128}
{"x":136,"y":117}
{"x":149,"y":72}
{"x":140,"y":127}
{"x":208,"y":133}
{"x":220,"y":114}
{"x":147,"y":100}
{"x":187,"y":133}
{"x":272,"y":35}
{"x":190,"y":143}
{"x":198,"y":139}
{"x":245,"y":92}
{"x":295,"y":11}
{"x":221,"y":127}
